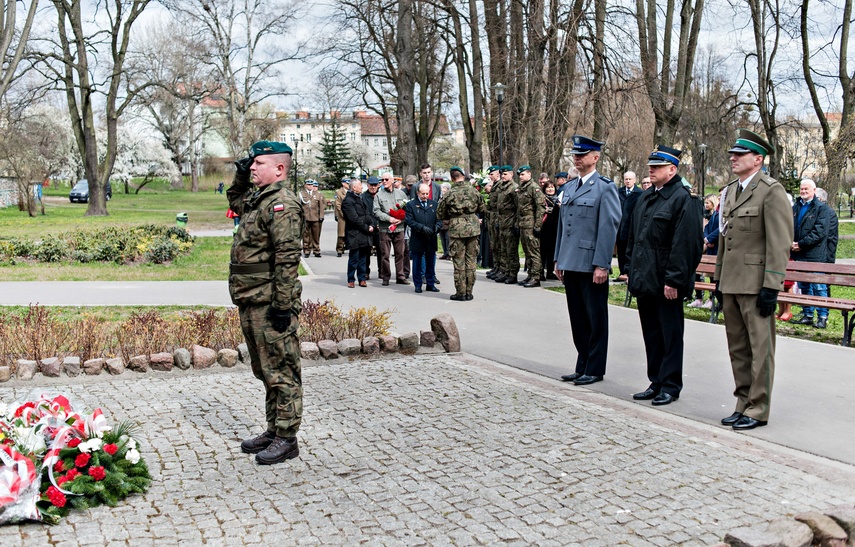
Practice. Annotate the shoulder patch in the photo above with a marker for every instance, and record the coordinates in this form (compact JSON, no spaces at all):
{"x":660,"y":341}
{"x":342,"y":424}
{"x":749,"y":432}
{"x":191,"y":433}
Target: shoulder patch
{"x":606,"y":179}
{"x":278,"y":207}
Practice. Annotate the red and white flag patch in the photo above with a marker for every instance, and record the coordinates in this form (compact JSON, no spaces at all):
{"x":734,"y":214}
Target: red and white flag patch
{"x":278,"y":207}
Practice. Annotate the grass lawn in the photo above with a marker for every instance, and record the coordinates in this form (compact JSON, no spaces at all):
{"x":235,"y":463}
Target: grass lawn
{"x":831,"y":335}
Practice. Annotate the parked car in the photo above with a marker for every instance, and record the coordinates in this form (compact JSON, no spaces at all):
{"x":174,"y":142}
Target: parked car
{"x":80,"y":192}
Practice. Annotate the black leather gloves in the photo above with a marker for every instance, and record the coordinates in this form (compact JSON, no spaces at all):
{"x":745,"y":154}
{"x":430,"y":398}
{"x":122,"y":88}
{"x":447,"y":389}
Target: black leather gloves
{"x":242,"y":165}
{"x":719,"y":298}
{"x":536,"y":233}
{"x":766,"y":301}
{"x":280,"y":320}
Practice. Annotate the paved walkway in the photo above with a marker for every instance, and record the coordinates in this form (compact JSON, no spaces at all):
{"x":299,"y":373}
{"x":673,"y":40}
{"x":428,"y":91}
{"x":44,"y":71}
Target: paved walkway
{"x":430,"y":450}
{"x":812,"y":408}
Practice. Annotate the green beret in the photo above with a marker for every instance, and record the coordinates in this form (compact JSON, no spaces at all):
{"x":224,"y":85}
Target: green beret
{"x":262,"y":148}
{"x":506,"y":168}
{"x":455,"y":168}
{"x":523,"y":168}
{"x":493,"y":168}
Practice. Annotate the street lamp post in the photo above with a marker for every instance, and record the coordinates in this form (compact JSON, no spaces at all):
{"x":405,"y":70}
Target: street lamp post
{"x":500,"y":88}
{"x":703,"y":168}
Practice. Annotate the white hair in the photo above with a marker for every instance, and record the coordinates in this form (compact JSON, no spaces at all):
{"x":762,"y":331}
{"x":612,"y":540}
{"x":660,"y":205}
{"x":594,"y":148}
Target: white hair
{"x":809,"y":182}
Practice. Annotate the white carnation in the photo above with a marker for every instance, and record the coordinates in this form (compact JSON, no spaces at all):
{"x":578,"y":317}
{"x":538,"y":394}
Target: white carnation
{"x":90,"y":446}
{"x":132,"y":455}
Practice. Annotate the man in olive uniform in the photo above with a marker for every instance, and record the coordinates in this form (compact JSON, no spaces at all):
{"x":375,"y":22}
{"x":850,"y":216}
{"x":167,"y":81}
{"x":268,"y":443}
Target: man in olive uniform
{"x":509,"y":230}
{"x":340,"y":194}
{"x":754,"y":248}
{"x":460,"y":207}
{"x":492,"y":219}
{"x":263,"y":285}
{"x":313,"y":210}
{"x":530,"y":212}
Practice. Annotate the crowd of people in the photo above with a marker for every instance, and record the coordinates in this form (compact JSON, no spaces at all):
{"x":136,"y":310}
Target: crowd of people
{"x":569,"y":230}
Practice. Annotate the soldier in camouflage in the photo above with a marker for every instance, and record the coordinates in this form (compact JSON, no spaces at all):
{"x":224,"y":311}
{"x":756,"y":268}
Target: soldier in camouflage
{"x":530,"y":214}
{"x":509,"y":230}
{"x":263,"y":285}
{"x":460,"y":208}
{"x":491,"y":219}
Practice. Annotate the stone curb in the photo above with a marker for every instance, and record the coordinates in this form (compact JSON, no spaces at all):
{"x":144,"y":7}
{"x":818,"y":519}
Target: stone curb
{"x":833,"y":528}
{"x":443,"y":337}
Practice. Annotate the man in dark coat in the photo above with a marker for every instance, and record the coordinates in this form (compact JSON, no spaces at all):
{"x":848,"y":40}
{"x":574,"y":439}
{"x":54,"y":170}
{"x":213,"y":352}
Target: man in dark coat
{"x":628,"y":195}
{"x":810,"y":244}
{"x":424,"y":227}
{"x":368,"y":199}
{"x":358,"y":233}
{"x":663,"y":252}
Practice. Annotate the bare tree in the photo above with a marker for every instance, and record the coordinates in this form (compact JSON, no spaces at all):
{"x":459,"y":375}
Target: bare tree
{"x":668,"y":73}
{"x":246,"y":42}
{"x":13,"y":41}
{"x":838,"y":150}
{"x":72,"y":66}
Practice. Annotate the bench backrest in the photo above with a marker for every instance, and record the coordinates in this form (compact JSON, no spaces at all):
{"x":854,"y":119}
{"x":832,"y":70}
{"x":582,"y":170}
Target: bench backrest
{"x":842,"y":275}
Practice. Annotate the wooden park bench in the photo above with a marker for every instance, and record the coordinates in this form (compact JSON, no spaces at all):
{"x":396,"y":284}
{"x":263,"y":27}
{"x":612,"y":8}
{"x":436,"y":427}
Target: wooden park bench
{"x":833,"y":275}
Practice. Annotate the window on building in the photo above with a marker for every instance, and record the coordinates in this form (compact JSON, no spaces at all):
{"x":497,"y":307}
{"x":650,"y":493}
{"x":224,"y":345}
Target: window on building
{"x":282,"y":137}
{"x":385,"y":157}
{"x":308,"y":137}
{"x":293,"y":137}
{"x":353,"y":136}
{"x":365,"y":142}
{"x":376,"y":156}
{"x":384,"y":141}
{"x":376,"y":142}
{"x":301,"y":137}
{"x":298,"y":126}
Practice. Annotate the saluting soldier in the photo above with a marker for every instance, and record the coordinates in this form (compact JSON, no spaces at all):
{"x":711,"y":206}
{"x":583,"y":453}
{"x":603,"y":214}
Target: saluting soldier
{"x":754,"y":248}
{"x":460,"y":207}
{"x":509,"y":230}
{"x":263,"y":285}
{"x":530,"y":213}
{"x":313,"y":209}
{"x":587,"y":230}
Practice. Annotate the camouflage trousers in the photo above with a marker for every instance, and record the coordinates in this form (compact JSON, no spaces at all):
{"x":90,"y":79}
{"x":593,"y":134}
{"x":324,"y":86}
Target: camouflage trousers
{"x":531,"y":248}
{"x":464,"y":257}
{"x":495,"y":245}
{"x":275,"y":359}
{"x":510,"y":252}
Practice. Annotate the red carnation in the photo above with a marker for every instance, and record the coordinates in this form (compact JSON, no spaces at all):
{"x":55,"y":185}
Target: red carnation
{"x":72,"y":474}
{"x":111,"y":448}
{"x":62,"y":480}
{"x":59,"y":467}
{"x":56,"y":497}
{"x":97,"y":472}
{"x":20,"y":411}
{"x":82,"y":460}
{"x":73,"y":443}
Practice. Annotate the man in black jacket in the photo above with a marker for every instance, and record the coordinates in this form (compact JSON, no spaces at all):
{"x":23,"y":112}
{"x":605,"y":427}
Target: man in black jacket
{"x":424,"y":227}
{"x":810,"y":244}
{"x":663,"y":251}
{"x":358,"y":233}
{"x":628,"y":195}
{"x":368,"y":199}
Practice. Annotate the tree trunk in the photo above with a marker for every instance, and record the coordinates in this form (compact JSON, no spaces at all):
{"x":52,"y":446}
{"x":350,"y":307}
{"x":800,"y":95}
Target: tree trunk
{"x":406,"y":150}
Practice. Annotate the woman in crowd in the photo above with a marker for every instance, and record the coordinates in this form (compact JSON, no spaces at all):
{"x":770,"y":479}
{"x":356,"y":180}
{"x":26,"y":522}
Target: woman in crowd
{"x":710,"y":244}
{"x":549,"y":230}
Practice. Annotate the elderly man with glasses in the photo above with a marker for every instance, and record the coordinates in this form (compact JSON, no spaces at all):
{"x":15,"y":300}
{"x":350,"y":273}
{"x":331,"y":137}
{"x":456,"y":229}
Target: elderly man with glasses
{"x":390,"y":214}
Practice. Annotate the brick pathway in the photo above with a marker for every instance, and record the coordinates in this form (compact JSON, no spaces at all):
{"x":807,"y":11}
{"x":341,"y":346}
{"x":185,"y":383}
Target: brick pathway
{"x":428,"y":450}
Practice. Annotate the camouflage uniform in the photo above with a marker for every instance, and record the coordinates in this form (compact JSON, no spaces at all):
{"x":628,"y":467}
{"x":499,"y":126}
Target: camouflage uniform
{"x":460,"y":207}
{"x":508,"y":225}
{"x":263,"y":274}
{"x":339,"y":217}
{"x":530,"y":212}
{"x":493,"y":226}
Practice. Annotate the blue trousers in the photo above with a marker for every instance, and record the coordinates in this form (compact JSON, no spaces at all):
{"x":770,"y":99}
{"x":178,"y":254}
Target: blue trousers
{"x":424,"y":268}
{"x":357,"y":263}
{"x":814,"y":289}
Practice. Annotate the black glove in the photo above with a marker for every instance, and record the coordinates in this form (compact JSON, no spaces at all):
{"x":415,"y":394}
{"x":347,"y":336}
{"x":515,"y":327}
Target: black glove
{"x":719,"y":298}
{"x":242,"y":165}
{"x":766,"y":301}
{"x":280,"y":320}
{"x":515,"y":231}
{"x":536,"y":233}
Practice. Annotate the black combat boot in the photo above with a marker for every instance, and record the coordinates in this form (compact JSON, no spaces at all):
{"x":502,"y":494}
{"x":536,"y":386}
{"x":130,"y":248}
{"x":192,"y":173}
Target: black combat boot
{"x":500,"y":278}
{"x":532,"y":283}
{"x":491,"y":274}
{"x":457,"y":297}
{"x":511,"y":280}
{"x":257,"y":444}
{"x":280,"y":449}
{"x":524,"y":281}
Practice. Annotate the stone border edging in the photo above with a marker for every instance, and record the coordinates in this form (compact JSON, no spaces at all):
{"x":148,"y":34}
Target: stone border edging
{"x":833,"y":528}
{"x":443,"y":331}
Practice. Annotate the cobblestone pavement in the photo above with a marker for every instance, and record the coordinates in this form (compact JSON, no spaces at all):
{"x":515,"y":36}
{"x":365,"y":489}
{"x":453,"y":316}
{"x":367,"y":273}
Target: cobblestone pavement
{"x":428,"y":450}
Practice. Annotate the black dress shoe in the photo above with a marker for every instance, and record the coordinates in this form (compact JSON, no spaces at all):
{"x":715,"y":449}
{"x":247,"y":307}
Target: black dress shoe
{"x":587,"y":380}
{"x":402,"y":282}
{"x":645,"y":395}
{"x":418,"y":289}
{"x":821,"y":323}
{"x":385,"y":283}
{"x":437,"y":282}
{"x":570,"y":377}
{"x":804,"y":320}
{"x":432,"y":289}
{"x":747,"y":422}
{"x":457,"y":297}
{"x":732,"y":419}
{"x":664,"y":399}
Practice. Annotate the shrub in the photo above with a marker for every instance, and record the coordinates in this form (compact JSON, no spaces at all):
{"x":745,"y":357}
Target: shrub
{"x":325,"y":321}
{"x":52,"y":249}
{"x":161,"y":251}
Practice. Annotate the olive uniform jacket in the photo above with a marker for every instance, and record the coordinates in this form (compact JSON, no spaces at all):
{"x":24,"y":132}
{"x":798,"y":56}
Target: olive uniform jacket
{"x":756,"y":236}
{"x":313,"y":205}
{"x":339,"y":217}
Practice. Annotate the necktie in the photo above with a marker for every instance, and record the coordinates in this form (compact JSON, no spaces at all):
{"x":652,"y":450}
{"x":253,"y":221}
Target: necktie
{"x":738,"y":190}
{"x":579,"y":184}
{"x":424,"y":205}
